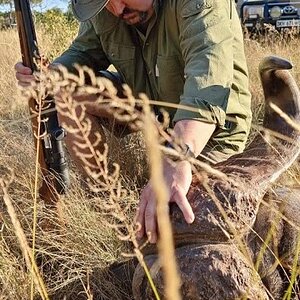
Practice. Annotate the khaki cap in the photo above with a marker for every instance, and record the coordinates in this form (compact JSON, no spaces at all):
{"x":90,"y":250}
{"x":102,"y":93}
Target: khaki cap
{"x":86,"y":9}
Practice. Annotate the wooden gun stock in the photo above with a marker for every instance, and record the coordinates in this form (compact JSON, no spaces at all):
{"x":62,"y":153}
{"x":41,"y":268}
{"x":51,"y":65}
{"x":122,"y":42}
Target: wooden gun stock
{"x":51,"y":155}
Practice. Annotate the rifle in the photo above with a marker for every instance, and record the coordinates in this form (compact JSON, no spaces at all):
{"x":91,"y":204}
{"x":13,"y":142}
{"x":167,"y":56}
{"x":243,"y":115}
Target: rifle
{"x":51,"y":154}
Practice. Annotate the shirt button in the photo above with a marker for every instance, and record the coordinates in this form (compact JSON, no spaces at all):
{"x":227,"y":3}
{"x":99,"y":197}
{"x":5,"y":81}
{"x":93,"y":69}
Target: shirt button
{"x":198,"y":5}
{"x":150,"y":72}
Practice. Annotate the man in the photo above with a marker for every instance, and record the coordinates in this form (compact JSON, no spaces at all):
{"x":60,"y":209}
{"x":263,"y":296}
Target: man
{"x":179,"y":51}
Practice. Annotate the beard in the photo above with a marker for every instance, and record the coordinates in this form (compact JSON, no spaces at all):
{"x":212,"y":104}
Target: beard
{"x":134,"y":17}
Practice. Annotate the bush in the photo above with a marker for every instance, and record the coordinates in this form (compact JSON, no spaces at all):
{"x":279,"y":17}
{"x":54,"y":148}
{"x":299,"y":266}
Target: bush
{"x":52,"y":38}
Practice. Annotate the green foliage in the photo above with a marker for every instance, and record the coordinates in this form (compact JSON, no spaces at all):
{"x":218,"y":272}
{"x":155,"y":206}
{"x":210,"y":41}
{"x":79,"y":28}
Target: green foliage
{"x":7,"y":18}
{"x":11,"y":2}
{"x":59,"y":28}
{"x":5,"y":2}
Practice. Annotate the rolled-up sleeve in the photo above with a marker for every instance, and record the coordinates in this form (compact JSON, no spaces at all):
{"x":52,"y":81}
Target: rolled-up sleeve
{"x":86,"y":50}
{"x":206,"y":43}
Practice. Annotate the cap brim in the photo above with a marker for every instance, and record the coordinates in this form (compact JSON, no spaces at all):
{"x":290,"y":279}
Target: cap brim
{"x":85,"y":11}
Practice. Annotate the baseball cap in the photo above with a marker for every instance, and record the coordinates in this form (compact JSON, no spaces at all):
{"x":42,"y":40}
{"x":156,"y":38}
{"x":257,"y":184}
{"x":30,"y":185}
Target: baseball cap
{"x":86,"y":9}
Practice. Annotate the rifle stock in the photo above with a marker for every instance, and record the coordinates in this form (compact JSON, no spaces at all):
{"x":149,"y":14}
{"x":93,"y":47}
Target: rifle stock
{"x":51,"y":155}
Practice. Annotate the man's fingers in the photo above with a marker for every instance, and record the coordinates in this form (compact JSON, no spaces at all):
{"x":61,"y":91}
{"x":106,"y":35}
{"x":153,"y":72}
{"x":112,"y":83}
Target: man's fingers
{"x":146,"y":215}
{"x":24,"y":84}
{"x":24,"y":75}
{"x":180,"y":198}
{"x":140,"y":214}
{"x":20,"y":68}
{"x":150,"y":221}
{"x":24,"y":81}
{"x":22,"y":78}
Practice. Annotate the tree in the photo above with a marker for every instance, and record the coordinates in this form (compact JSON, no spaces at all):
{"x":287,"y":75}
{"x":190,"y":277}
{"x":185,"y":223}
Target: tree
{"x":10,"y":3}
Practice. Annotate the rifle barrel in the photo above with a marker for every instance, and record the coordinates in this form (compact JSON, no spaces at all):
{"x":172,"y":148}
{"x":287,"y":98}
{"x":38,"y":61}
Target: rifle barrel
{"x":52,"y":158}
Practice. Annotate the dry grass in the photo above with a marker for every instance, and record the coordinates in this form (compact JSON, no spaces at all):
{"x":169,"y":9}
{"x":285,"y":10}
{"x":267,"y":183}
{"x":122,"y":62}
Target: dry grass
{"x":271,"y":44}
{"x":89,"y":235}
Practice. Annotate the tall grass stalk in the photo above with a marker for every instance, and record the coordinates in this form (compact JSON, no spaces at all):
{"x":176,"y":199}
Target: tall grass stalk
{"x":27,"y":252}
{"x":36,"y":177}
{"x":165,"y":243}
{"x":295,"y":272}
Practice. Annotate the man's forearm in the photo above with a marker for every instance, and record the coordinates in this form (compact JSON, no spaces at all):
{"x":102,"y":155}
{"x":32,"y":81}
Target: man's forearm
{"x":194,"y":133}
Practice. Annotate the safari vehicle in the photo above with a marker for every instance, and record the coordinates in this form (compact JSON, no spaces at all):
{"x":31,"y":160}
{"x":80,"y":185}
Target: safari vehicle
{"x":255,"y":14}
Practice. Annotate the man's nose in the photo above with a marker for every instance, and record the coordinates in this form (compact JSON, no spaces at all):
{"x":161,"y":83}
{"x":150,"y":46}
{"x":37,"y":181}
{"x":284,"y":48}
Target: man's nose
{"x":119,"y":7}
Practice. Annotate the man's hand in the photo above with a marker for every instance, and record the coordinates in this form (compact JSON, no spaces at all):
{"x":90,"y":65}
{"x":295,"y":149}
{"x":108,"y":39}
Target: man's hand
{"x":178,"y":177}
{"x":24,"y":75}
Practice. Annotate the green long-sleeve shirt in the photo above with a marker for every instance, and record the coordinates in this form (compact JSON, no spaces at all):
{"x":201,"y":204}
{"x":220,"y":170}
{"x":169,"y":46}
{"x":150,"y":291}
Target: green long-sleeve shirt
{"x":192,"y":54}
